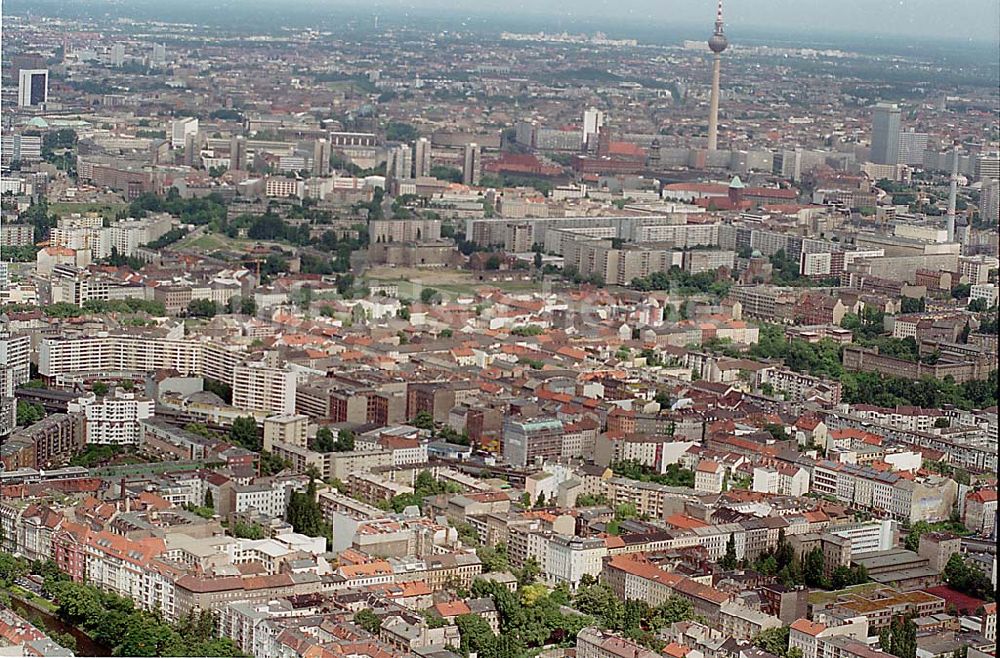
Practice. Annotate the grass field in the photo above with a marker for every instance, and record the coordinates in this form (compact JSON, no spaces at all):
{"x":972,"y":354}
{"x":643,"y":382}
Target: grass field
{"x":107,"y":210}
{"x":451,"y":283}
{"x":817,"y":597}
{"x":33,"y":599}
{"x":212,"y":242}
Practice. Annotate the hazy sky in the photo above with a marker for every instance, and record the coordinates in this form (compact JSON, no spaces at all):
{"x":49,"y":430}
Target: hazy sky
{"x":954,"y":19}
{"x":948,"y":20}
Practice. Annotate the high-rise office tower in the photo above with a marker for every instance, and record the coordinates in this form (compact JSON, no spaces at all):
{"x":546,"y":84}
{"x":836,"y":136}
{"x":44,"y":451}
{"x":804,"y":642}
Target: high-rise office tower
{"x":885,"y":134}
{"x":472,"y":168}
{"x":321,"y":157}
{"x":422,"y":159}
{"x":716,"y":43}
{"x":912,"y":146}
{"x":237,"y":153}
{"x":989,"y":202}
{"x":988,"y":166}
{"x":32,"y":87}
{"x":117,"y":58}
{"x":180,"y":129}
{"x":593,"y":120}
{"x":159,"y":55}
{"x":952,"y":196}
{"x":399,"y":162}
{"x":191,"y":149}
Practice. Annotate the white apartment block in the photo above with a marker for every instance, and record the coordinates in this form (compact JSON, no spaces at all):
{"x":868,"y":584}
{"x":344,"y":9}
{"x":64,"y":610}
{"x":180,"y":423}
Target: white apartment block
{"x":709,"y":476}
{"x":180,"y":129}
{"x":267,"y":498}
{"x":105,"y":353}
{"x":259,"y":388}
{"x":911,"y":419}
{"x":742,"y":623}
{"x":569,"y":558}
{"x":113,"y":420}
{"x":130,"y":234}
{"x":988,"y":292}
{"x":808,"y":636}
{"x":923,"y":499}
{"x":290,"y":429}
{"x":282,"y":187}
{"x":868,"y":537}
{"x":15,"y":354}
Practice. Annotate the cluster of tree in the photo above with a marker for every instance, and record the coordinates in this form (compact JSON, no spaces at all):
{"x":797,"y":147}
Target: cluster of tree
{"x":105,"y":306}
{"x":95,"y":455}
{"x":244,"y":433}
{"x":38,"y":216}
{"x":775,"y":641}
{"x":927,"y":392}
{"x":527,"y":330}
{"x":530,"y":618}
{"x":813,"y":573}
{"x":244,"y":530}
{"x":445,"y":173}
{"x":117,"y":259}
{"x":373,"y":207}
{"x":271,"y":464}
{"x":590,"y":500}
{"x":60,"y":310}
{"x":506,"y":180}
{"x":424,"y":485}
{"x":423,"y":420}
{"x":202,"y":308}
{"x":900,"y":348}
{"x":208,"y":210}
{"x":29,"y":413}
{"x":168,"y":238}
{"x":21,"y":254}
{"x":969,"y":579}
{"x":912,"y":305}
{"x":912,"y":541}
{"x":900,"y":639}
{"x":12,"y":568}
{"x":304,"y":513}
{"x":867,"y":326}
{"x":269,"y":226}
{"x":785,"y":270}
{"x":451,"y":435}
{"x":494,"y":558}
{"x":397,"y":131}
{"x":818,"y":359}
{"x":684,"y":283}
{"x":226,"y":114}
{"x":978,"y":305}
{"x":368,"y":620}
{"x":635,"y":619}
{"x":222,"y":389}
{"x":115,"y":622}
{"x":675,"y":475}
{"x":325,"y":441}
{"x":784,"y":564}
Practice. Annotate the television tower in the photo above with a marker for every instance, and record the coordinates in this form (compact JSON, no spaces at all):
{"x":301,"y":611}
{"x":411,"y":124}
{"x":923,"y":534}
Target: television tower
{"x":716,"y":43}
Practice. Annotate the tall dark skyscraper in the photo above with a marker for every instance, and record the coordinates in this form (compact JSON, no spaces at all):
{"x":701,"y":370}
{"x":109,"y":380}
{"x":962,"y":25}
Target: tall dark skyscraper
{"x":885,"y":134}
{"x":32,"y":87}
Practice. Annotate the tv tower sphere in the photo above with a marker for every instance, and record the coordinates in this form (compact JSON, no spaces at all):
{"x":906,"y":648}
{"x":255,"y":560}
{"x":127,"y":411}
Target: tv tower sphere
{"x":718,"y":41}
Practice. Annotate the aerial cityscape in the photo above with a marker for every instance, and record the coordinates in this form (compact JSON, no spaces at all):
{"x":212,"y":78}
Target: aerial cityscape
{"x":549,"y":330}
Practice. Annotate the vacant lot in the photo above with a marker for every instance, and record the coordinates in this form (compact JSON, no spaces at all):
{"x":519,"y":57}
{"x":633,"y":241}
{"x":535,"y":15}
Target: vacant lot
{"x":107,"y":210}
{"x":451,"y":283}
